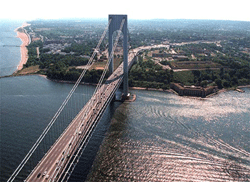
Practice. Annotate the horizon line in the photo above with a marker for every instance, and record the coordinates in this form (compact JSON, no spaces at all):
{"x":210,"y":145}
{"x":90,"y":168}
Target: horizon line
{"x":102,"y":18}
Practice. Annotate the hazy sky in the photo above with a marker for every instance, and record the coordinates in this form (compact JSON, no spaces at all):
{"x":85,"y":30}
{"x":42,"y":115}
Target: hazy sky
{"x":135,"y":9}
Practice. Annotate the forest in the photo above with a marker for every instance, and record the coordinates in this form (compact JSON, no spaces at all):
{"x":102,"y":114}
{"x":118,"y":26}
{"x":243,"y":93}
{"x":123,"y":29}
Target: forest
{"x":65,"y":44}
{"x":145,"y":73}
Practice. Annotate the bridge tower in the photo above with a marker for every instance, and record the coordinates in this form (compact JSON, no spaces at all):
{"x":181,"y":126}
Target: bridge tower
{"x":114,"y":26}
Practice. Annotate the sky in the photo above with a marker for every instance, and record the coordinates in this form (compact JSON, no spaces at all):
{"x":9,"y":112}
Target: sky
{"x":135,"y":9}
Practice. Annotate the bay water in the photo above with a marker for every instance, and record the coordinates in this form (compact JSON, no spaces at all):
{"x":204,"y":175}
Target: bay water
{"x":10,"y":54}
{"x":165,"y":137}
{"x":159,"y":137}
{"x":28,"y":104}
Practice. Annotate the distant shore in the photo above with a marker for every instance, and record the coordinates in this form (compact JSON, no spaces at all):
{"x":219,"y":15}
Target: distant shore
{"x":23,"y":47}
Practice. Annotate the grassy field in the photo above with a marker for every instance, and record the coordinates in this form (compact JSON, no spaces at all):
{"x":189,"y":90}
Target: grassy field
{"x":29,"y":70}
{"x":101,"y":65}
{"x":185,"y":77}
{"x":194,"y":65}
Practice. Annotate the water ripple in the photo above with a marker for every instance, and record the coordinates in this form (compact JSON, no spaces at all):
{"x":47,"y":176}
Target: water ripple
{"x":169,"y":138}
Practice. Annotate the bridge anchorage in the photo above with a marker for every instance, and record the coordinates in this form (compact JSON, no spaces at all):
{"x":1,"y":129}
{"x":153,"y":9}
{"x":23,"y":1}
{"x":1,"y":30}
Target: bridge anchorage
{"x":60,"y":160}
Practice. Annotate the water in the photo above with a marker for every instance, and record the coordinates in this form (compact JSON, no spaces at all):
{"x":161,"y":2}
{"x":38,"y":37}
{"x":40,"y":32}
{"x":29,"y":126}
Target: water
{"x":164,"y":137}
{"x":10,"y":54}
{"x":27,"y":105}
{"x":160,"y":137}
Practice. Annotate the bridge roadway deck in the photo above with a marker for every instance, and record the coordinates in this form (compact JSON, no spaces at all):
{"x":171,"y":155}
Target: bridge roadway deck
{"x":56,"y":161}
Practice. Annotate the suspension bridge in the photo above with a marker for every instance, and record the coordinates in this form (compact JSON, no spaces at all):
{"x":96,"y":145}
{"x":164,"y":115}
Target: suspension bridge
{"x":60,"y":160}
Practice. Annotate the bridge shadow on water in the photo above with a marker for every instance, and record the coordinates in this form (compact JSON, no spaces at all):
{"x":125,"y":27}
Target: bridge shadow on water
{"x":84,"y":165}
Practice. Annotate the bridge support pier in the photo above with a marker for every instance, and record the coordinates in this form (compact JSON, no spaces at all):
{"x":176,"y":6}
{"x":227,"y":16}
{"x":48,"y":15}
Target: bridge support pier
{"x":114,"y":26}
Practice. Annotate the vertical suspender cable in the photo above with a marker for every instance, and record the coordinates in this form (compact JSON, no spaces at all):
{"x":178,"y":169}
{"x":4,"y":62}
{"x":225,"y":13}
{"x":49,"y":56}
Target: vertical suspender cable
{"x":79,"y":151}
{"x":27,"y":157}
{"x":104,"y":72}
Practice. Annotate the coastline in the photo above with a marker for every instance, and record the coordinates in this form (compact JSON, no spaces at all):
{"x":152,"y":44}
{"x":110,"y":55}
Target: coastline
{"x":134,"y":88}
{"x":23,"y":47}
{"x":244,"y":86}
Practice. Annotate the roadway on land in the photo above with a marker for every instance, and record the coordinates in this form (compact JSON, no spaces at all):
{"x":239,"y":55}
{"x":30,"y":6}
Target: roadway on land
{"x":55,"y":162}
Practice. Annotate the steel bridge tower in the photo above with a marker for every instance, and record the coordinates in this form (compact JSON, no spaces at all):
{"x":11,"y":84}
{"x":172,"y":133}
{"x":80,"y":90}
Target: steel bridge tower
{"x":114,"y":26}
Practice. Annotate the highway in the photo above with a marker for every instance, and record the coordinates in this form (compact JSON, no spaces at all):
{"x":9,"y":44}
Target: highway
{"x":56,"y":161}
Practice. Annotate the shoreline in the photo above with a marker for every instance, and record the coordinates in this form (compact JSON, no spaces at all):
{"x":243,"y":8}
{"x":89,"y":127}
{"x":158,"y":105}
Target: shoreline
{"x":133,"y":88}
{"x":23,"y":47}
{"x":244,"y":86}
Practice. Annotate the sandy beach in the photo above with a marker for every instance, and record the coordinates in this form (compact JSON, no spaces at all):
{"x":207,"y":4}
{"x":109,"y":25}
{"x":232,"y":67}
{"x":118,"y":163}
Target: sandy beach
{"x":25,"y":42}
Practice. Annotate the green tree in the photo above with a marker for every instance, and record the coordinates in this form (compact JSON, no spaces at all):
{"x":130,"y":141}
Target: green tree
{"x":196,"y":73}
{"x":226,"y":84}
{"x":204,"y":83}
{"x":219,"y":83}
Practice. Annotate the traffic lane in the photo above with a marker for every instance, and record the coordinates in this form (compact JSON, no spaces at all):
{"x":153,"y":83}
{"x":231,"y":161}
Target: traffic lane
{"x":58,"y":151}
{"x":58,"y":147}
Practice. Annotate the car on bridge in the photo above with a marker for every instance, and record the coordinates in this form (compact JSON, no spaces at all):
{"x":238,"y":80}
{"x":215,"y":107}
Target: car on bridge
{"x":45,"y":172}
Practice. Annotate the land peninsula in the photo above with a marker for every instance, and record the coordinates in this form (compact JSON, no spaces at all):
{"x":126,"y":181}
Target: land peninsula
{"x":194,"y":53}
{"x":22,"y":34}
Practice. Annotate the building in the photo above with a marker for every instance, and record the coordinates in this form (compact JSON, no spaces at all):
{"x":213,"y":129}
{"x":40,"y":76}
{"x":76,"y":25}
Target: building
{"x":193,"y":90}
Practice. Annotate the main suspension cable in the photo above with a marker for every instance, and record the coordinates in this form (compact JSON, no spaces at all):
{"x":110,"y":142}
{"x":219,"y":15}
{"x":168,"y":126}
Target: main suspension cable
{"x":92,"y":100}
{"x":41,"y":137}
